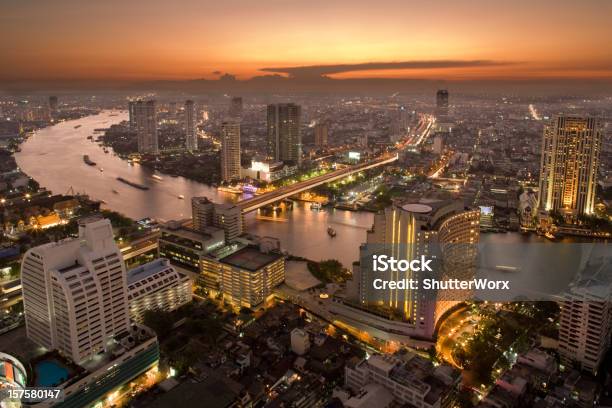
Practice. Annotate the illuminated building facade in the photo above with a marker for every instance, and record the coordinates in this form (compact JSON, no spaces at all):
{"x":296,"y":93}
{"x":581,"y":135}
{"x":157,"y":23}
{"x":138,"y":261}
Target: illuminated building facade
{"x":230,"y":151}
{"x":284,"y":134}
{"x":75,"y":292}
{"x":156,"y":286}
{"x":145,"y":125}
{"x":432,"y":228}
{"x":571,"y":146}
{"x":191,"y":133}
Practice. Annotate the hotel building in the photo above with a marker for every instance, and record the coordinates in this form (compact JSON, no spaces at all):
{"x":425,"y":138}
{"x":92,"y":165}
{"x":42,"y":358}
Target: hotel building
{"x":156,"y":286}
{"x":445,"y":231}
{"x":145,"y":124}
{"x":586,"y":317}
{"x":191,"y":131}
{"x":75,"y":292}
{"x":571,"y":147}
{"x":230,"y":151}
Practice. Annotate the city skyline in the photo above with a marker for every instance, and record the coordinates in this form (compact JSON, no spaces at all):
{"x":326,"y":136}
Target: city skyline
{"x":445,"y":41}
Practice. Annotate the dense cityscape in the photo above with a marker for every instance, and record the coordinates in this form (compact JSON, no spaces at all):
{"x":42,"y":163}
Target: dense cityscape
{"x":226,"y":242}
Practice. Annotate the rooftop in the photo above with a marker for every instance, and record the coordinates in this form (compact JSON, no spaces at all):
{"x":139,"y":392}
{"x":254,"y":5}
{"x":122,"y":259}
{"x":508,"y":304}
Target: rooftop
{"x":250,"y":258}
{"x":146,"y":270}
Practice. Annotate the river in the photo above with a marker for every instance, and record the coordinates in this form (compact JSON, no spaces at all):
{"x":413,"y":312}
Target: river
{"x":53,"y":156}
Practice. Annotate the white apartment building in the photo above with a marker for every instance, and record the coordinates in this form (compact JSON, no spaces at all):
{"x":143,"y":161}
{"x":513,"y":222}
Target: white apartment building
{"x":156,"y":286}
{"x":75,"y":292}
{"x":586,"y":318}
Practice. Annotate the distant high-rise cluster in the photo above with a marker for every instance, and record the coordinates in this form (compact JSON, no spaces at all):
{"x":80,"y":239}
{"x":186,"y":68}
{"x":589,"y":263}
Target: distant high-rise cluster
{"x":230,"y":150}
{"x":143,"y":119}
{"x":75,"y":292}
{"x":571,"y":146}
{"x":321,"y":133}
{"x":284,"y":134}
{"x":191,"y":134}
{"x":235,"y":108}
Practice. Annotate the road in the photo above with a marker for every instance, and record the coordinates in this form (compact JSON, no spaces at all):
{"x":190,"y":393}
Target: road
{"x":256,"y":202}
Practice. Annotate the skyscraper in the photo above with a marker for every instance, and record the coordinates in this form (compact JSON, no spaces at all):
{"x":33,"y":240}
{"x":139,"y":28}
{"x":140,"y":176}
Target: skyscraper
{"x":409,"y":230}
{"x":75,"y":292}
{"x":284,"y":137}
{"x":585,"y":323}
{"x":230,"y":151}
{"x":132,"y":115}
{"x":145,"y":124}
{"x":191,"y":132}
{"x":442,"y":105}
{"x":235,"y":108}
{"x":571,"y":146}
{"x":321,"y":131}
{"x":53,"y":104}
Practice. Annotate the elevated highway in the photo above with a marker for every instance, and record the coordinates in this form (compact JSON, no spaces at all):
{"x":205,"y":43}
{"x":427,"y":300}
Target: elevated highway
{"x":256,"y":202}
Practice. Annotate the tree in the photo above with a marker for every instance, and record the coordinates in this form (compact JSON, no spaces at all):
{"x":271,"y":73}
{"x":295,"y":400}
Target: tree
{"x":159,"y":321}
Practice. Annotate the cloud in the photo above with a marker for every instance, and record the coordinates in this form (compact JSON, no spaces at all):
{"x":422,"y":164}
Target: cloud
{"x":317,"y":71}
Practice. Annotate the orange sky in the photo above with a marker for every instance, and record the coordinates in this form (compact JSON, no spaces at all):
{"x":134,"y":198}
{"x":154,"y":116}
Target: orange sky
{"x":191,"y":39}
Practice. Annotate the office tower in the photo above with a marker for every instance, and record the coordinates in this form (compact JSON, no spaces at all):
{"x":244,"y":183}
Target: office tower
{"x":228,"y":217}
{"x":132,"y":115}
{"x":145,"y":125}
{"x":202,"y":211}
{"x":156,"y":285}
{"x":284,"y":137}
{"x":191,"y":131}
{"x":442,"y":105}
{"x":235,"y":108}
{"x":75,"y":292}
{"x":402,"y":117}
{"x":409,"y":230}
{"x":586,"y":317}
{"x":185,"y":247}
{"x":230,"y":151}
{"x":53,"y":104}
{"x":206,"y":214}
{"x":249,"y":275}
{"x":571,"y":146}
{"x":320,"y":133}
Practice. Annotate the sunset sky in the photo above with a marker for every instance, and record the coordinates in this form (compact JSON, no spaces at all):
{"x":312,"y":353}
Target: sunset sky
{"x":155,"y":39}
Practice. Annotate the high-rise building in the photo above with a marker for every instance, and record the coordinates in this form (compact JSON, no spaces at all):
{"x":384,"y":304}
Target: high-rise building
{"x":249,"y":275}
{"x":409,"y":230}
{"x":156,"y":285}
{"x":202,"y":212}
{"x":132,"y":115}
{"x":235,"y":108}
{"x":442,"y":105}
{"x":53,"y":104}
{"x":321,"y":131}
{"x":206,"y":214}
{"x":75,"y":292}
{"x":585,"y":323}
{"x":145,"y":125}
{"x":230,"y":151}
{"x":284,"y":134}
{"x":191,"y":131}
{"x":571,"y":146}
